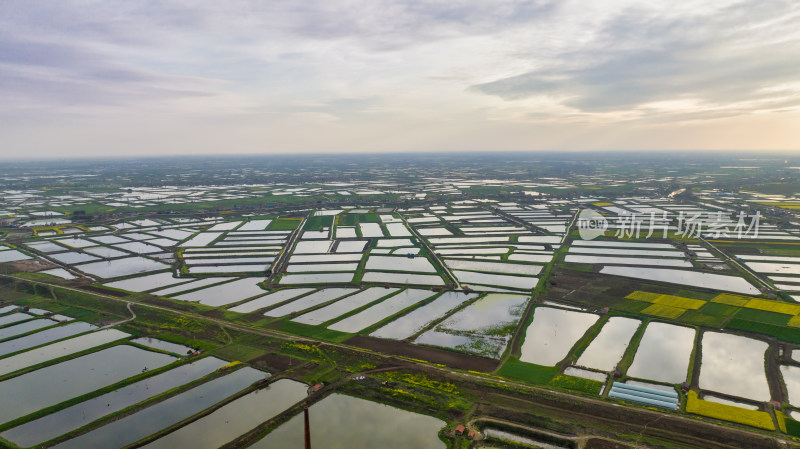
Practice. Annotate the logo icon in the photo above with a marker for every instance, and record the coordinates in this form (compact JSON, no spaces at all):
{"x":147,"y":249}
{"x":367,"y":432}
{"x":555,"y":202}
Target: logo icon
{"x":591,"y":224}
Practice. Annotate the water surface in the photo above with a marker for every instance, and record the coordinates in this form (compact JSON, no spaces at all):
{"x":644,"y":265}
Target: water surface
{"x":345,"y":422}
{"x":57,"y":383}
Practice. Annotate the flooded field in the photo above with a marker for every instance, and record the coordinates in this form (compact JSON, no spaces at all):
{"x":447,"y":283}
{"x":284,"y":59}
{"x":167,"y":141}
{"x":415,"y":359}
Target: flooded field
{"x":162,"y":345}
{"x":345,"y":422}
{"x":482,"y":328}
{"x":235,"y":418}
{"x":122,"y":267}
{"x":607,"y":348}
{"x":338,"y":308}
{"x":383,"y":309}
{"x":308,"y":301}
{"x":491,"y":267}
{"x":227,"y":293}
{"x":57,"y":383}
{"x":321,"y":267}
{"x":245,"y":268}
{"x":389,"y":263}
{"x":791,"y":378}
{"x":416,"y":320}
{"x":318,"y":278}
{"x":71,"y":418}
{"x":734,"y":365}
{"x":500,"y":280}
{"x":41,"y":337}
{"x":402,"y":278}
{"x":663,"y":354}
{"x":324,"y":258}
{"x":270,"y":299}
{"x":150,"y":420}
{"x":170,"y":291}
{"x":552,"y":333}
{"x":14,"y":318}
{"x":575,"y":258}
{"x":147,"y":282}
{"x":350,"y":275}
{"x":59,"y":349}
{"x":23,"y":328}
{"x":689,"y":278}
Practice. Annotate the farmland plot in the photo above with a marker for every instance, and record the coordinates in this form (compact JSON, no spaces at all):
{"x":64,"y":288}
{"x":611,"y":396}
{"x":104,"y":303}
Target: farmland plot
{"x":483,"y":328}
{"x":552,"y":334}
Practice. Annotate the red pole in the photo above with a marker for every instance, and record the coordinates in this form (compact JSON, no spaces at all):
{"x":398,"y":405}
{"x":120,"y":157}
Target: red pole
{"x":308,"y":428}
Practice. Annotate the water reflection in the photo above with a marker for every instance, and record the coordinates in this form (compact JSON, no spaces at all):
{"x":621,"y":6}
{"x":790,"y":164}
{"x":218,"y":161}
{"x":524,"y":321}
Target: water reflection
{"x":663,"y":354}
{"x":552,"y":333}
{"x":345,"y":422}
{"x":734,"y":365}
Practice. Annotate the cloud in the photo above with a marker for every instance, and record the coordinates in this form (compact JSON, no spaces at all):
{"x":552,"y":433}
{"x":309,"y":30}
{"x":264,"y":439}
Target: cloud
{"x":638,"y":58}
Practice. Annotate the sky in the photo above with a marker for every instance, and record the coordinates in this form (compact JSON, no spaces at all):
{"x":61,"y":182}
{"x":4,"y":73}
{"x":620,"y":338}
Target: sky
{"x":123,"y":78}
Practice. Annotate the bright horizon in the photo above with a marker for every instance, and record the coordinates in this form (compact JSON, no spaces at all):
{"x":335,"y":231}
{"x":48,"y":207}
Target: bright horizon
{"x":117,"y":79}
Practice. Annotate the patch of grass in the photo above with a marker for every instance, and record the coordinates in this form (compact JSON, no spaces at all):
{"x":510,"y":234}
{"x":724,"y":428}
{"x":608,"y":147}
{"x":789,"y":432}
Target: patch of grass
{"x":354,"y":219}
{"x":762,"y":316}
{"x":44,"y":277}
{"x":631,"y":306}
{"x":529,"y":372}
{"x":284,"y":224}
{"x":725,"y":412}
{"x":190,"y":342}
{"x":698,"y":318}
{"x":577,"y":384}
{"x":315,"y":223}
{"x":238,"y":352}
{"x":323,"y":373}
{"x":155,"y":322}
{"x":792,"y":427}
{"x":420,"y":380}
{"x":719,"y":309}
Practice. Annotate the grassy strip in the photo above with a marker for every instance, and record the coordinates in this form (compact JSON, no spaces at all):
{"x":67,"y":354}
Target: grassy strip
{"x":577,"y":384}
{"x":633,"y":346}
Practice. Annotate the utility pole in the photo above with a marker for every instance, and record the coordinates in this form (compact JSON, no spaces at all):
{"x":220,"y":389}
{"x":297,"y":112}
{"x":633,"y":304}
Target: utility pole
{"x":308,"y":429}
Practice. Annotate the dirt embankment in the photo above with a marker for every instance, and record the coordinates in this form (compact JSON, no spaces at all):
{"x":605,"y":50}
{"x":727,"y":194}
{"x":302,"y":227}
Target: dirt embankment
{"x":447,"y":358}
